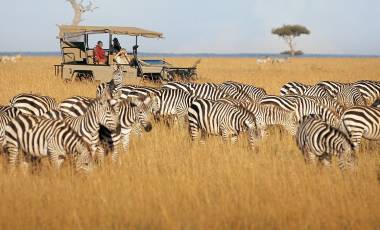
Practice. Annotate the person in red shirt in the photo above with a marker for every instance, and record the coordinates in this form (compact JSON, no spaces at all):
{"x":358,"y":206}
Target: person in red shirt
{"x":100,"y":54}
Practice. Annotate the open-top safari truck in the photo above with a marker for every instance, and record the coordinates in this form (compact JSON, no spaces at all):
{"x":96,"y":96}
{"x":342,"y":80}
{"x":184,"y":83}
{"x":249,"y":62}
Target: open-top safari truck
{"x":78,"y":57}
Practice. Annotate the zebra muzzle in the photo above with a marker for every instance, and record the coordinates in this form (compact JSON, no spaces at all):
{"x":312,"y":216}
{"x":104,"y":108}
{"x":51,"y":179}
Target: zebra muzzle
{"x":148,"y":127}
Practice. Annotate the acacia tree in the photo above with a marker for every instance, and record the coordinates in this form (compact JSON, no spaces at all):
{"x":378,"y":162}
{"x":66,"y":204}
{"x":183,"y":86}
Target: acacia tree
{"x":79,"y":9}
{"x":289,"y":33}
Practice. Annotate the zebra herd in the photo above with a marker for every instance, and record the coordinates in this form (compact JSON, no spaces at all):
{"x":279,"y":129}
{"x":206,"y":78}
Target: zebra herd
{"x":326,"y":119}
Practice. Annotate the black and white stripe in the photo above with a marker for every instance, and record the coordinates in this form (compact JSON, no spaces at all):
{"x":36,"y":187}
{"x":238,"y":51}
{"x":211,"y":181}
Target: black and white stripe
{"x":319,"y":141}
{"x":255,"y":94}
{"x":349,"y":96}
{"x":173,"y":103}
{"x":279,"y":101}
{"x":218,"y":118}
{"x":100,"y":112}
{"x":370,"y":90}
{"x":33,"y":104}
{"x":38,"y":137}
{"x":361,"y":122}
{"x":205,"y":90}
{"x":293,"y":88}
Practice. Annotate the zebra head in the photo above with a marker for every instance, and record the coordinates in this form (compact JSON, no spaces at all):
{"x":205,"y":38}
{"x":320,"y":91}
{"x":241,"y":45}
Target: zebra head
{"x":83,"y":158}
{"x":142,"y":105}
{"x":108,"y":113}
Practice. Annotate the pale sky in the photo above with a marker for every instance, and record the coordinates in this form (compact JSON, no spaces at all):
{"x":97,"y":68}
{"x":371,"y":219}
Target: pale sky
{"x":206,"y":26}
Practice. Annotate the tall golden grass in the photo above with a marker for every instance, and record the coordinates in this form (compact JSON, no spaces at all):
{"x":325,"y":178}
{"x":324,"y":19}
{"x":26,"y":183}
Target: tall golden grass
{"x":167,"y":182}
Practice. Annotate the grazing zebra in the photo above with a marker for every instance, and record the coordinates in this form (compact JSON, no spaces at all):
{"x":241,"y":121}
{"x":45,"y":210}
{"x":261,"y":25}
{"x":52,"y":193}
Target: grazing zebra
{"x":209,"y":91}
{"x":100,"y":112}
{"x":38,"y":137}
{"x":254,"y":93}
{"x":218,"y":118}
{"x":361,"y":121}
{"x":279,"y":101}
{"x":325,"y":101}
{"x":332,"y":87}
{"x":136,"y":90}
{"x":317,"y":91}
{"x":132,"y":115}
{"x":269,"y":115}
{"x":370,"y":90}
{"x":33,"y":104}
{"x":293,"y":88}
{"x":305,"y":106}
{"x":173,"y":103}
{"x":7,"y":113}
{"x":319,"y":141}
{"x":349,"y":96}
{"x":75,"y":106}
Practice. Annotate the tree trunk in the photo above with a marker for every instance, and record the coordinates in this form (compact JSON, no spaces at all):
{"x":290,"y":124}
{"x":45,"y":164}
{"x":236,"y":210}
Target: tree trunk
{"x":292,"y":51}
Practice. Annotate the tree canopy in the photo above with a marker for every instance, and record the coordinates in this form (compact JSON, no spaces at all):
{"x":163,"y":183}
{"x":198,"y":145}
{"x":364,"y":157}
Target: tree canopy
{"x":288,"y":33}
{"x":290,"y":30}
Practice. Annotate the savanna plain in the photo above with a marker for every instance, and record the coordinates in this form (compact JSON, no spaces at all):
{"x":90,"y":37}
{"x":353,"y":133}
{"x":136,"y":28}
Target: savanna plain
{"x":167,"y":182}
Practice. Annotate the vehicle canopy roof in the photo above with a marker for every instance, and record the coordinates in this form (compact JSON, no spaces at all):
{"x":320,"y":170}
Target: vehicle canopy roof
{"x":68,"y":31}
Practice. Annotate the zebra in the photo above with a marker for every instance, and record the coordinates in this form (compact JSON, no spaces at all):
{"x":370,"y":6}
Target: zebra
{"x":132,"y":115}
{"x":319,"y":141}
{"x":370,"y":90}
{"x":173,"y":103}
{"x":317,"y":91}
{"x":332,"y":87}
{"x":206,"y":90}
{"x":38,"y":137}
{"x":279,"y":101}
{"x":219,"y":118}
{"x":136,"y":90}
{"x":293,"y":88}
{"x":305,"y":106}
{"x":7,"y":113}
{"x":359,"y":122}
{"x":349,"y":96}
{"x":325,"y":101}
{"x":254,"y":93}
{"x":269,"y":115}
{"x":75,"y":106}
{"x":33,"y":104}
{"x":100,"y":112}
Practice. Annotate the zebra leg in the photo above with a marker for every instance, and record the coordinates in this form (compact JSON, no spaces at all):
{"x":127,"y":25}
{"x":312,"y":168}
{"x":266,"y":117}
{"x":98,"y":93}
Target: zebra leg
{"x":203,"y":137}
{"x":347,"y":159}
{"x":194,"y":131}
{"x":55,"y":155}
{"x":99,"y":157}
{"x":125,"y":134}
{"x":13,"y":153}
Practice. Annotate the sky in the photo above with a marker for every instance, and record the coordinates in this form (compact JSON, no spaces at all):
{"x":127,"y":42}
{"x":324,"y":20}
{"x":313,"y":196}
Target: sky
{"x":203,"y":26}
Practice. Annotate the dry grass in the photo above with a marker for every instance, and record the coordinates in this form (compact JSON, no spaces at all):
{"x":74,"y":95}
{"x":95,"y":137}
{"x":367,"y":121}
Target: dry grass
{"x":167,"y":182}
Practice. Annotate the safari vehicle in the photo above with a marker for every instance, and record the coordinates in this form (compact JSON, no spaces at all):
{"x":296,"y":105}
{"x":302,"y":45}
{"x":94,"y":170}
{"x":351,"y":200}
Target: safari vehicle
{"x":78,"y":57}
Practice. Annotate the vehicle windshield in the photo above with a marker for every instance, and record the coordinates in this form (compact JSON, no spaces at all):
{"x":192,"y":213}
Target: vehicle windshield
{"x":154,"y":61}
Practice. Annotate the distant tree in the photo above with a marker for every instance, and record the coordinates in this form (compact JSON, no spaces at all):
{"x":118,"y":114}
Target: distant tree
{"x":289,"y":33}
{"x":79,"y":9}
